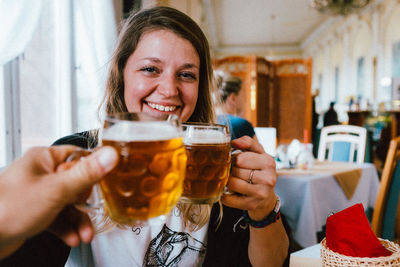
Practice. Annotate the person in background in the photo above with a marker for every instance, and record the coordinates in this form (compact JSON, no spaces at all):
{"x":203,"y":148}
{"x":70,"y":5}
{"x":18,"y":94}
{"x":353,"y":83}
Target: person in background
{"x":314,"y":122}
{"x":232,"y":105}
{"x":331,"y":116}
{"x":34,"y":192}
{"x":162,"y":65}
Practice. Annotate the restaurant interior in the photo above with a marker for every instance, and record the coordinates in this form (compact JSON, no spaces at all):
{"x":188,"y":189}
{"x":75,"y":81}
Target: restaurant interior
{"x":294,"y":59}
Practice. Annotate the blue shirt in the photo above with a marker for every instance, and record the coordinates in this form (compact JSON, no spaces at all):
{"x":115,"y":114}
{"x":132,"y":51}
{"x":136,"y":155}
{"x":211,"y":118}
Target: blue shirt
{"x":238,"y":126}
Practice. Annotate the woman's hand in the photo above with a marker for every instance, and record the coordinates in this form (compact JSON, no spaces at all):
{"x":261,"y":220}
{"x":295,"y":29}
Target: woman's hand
{"x":257,"y":197}
{"x":253,"y":178}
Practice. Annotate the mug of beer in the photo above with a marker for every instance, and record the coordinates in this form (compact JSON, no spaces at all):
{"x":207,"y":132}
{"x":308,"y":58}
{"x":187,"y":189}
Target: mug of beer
{"x":208,"y":151}
{"x":148,"y":180}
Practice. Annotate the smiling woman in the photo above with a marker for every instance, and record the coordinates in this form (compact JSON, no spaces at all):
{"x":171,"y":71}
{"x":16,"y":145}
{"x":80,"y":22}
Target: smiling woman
{"x":158,"y":80}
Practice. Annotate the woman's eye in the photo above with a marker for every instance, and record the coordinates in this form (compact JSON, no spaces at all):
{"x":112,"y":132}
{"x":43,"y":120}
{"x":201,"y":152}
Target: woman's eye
{"x":188,"y":75}
{"x":149,"y":69}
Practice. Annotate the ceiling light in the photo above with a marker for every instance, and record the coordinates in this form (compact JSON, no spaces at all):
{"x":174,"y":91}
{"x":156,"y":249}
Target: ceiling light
{"x":339,"y":7}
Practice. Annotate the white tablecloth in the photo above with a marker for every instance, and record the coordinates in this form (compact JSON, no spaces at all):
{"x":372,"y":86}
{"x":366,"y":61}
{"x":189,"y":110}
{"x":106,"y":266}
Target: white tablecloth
{"x":307,"y":200}
{"x":308,"y":257}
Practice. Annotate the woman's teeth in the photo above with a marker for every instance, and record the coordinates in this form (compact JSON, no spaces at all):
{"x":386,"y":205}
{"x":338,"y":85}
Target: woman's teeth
{"x":161,"y":107}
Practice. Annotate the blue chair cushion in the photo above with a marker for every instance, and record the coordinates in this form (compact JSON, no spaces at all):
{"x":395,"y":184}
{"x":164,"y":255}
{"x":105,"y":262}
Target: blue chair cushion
{"x":341,"y":151}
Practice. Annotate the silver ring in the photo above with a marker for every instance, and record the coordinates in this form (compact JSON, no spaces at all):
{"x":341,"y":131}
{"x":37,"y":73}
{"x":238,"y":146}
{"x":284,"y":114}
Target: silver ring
{"x":250,"y":180}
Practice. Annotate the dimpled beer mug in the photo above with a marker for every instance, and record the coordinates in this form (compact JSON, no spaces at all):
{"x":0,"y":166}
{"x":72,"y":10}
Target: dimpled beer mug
{"x":208,"y":162}
{"x":148,"y":180}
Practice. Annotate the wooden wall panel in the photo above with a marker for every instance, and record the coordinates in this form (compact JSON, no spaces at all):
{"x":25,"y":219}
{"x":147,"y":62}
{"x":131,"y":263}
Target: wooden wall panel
{"x":263,"y":100}
{"x":277,"y":93}
{"x":295,"y":103}
{"x":266,"y":93}
{"x":291,"y":109}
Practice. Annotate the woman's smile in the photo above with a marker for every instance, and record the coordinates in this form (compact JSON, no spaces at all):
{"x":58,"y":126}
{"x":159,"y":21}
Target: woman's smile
{"x":166,"y":108}
{"x":162,"y":75}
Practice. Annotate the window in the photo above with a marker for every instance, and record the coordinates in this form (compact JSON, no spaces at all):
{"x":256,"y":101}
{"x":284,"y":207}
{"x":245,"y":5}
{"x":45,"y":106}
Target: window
{"x":94,"y":34}
{"x":3,"y":128}
{"x":10,"y":120}
{"x":360,"y":76}
{"x":38,"y":90}
{"x":336,"y":84}
{"x":90,"y":79}
{"x":396,"y":60}
{"x":320,"y":81}
{"x":54,"y":96}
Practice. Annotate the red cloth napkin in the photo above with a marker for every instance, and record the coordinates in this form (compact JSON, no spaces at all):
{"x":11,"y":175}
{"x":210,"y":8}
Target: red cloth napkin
{"x":348,"y":232}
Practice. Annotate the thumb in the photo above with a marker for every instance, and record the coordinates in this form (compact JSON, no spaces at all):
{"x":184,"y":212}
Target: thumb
{"x":89,"y":170}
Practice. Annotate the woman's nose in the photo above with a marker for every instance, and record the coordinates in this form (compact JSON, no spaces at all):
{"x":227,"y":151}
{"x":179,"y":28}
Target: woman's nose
{"x":168,"y":86}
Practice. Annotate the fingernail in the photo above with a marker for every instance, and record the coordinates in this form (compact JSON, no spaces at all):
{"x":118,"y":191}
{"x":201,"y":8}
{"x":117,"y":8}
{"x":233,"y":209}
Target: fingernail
{"x":107,"y":157}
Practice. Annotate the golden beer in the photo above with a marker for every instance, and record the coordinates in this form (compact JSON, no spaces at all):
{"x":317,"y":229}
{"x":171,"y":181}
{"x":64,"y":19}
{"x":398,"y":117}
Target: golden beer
{"x":207,"y":171}
{"x":148,"y":180}
{"x":208,"y":162}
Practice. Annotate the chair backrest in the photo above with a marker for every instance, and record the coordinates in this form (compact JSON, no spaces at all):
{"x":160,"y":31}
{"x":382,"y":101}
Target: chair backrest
{"x":342,"y":143}
{"x":386,"y":206}
{"x":267,"y":138}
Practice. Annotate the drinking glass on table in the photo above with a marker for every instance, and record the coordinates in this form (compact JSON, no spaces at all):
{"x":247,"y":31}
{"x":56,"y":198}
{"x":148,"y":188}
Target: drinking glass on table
{"x":148,"y":180}
{"x":208,"y":152}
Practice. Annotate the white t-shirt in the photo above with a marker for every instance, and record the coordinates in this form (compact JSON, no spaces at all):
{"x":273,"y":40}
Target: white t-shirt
{"x":157,"y":244}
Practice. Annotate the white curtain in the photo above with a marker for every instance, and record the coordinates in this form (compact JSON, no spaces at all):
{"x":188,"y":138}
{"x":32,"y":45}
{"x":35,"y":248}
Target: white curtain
{"x":18,"y":21}
{"x":96,"y":34}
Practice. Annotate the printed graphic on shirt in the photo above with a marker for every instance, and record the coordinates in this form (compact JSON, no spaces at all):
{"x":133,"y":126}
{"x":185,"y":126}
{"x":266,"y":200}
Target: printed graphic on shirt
{"x":170,"y":248}
{"x":137,"y":230}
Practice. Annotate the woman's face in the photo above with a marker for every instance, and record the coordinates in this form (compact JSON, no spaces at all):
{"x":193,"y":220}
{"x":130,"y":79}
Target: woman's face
{"x":162,"y":75}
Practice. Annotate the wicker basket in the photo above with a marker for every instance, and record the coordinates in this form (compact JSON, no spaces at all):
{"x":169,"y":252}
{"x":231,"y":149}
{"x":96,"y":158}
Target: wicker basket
{"x":333,"y":259}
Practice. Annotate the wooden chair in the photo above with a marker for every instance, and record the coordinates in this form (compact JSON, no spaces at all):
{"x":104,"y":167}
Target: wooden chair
{"x":342,"y":143}
{"x":385,"y":219}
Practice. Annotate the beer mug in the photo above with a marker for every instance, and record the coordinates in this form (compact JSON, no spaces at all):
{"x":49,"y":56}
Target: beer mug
{"x":148,"y":180}
{"x":208,"y":151}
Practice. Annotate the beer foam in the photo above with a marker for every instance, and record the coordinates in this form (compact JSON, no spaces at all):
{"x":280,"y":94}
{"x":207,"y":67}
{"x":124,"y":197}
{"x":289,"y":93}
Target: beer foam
{"x":140,"y":131}
{"x":205,"y":137}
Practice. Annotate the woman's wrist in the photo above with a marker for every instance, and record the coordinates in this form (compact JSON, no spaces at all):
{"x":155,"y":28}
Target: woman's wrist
{"x":272,"y":217}
{"x":262,"y":212}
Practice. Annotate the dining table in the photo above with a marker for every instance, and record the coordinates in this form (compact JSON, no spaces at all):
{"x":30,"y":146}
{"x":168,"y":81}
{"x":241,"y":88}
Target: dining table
{"x":307,"y":257}
{"x":309,"y":196}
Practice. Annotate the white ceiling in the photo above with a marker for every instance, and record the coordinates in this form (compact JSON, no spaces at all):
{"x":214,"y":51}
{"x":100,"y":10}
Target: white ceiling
{"x":254,"y":25}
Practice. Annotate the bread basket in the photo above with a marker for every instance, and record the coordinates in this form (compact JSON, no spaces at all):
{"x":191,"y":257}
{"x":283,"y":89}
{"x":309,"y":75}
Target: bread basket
{"x":333,"y":259}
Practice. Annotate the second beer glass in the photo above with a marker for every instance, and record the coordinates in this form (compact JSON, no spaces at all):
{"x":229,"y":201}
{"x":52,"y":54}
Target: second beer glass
{"x":208,"y":162}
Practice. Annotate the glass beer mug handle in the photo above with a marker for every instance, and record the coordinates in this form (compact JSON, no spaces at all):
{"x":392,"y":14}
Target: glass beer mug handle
{"x":234,"y":153}
{"x":89,"y":200}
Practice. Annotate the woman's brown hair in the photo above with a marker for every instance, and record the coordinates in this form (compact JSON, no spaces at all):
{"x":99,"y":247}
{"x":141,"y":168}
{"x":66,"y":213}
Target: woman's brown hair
{"x":133,"y":28}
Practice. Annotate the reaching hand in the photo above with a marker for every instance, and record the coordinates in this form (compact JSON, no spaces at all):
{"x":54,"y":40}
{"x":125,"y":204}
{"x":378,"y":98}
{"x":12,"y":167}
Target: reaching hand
{"x":33,"y":193}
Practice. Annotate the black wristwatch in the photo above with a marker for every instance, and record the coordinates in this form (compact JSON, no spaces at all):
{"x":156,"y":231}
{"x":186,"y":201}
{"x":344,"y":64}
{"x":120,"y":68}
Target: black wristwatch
{"x":272,"y":217}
